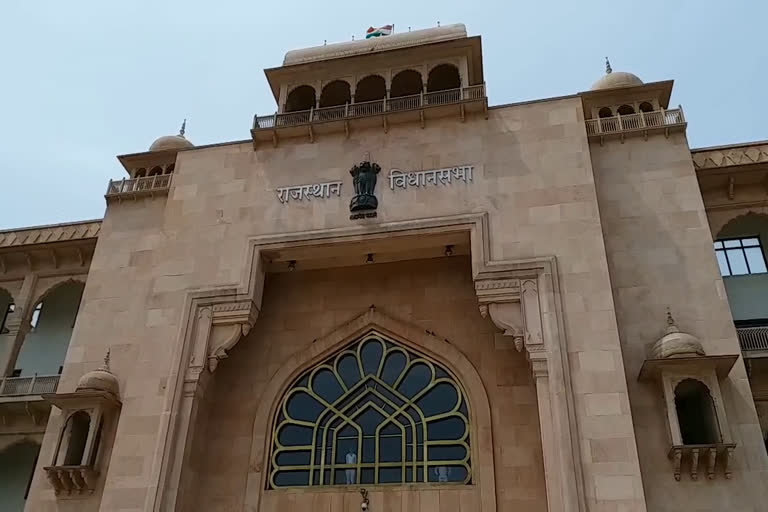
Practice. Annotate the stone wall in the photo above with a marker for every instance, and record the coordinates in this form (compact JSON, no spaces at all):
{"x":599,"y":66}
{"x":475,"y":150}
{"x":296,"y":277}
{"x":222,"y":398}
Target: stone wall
{"x":660,"y":255}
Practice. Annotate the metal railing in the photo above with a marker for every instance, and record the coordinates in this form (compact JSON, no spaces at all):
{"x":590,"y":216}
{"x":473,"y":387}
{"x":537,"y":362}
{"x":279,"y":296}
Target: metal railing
{"x":132,"y":186}
{"x":34,"y":385}
{"x":753,"y":338}
{"x":635,"y":122}
{"x":370,"y":108}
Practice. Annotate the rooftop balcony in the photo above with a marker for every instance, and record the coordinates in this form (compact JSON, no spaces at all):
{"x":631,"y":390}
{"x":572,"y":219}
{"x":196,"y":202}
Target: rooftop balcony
{"x":641,"y":123}
{"x":138,"y":187}
{"x":753,"y":341}
{"x":418,"y":107}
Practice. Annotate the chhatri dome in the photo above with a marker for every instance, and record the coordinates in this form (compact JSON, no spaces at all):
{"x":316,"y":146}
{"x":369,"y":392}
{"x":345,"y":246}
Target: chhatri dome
{"x":172,"y":141}
{"x":100,"y":379}
{"x":612,"y":80}
{"x":675,"y":343}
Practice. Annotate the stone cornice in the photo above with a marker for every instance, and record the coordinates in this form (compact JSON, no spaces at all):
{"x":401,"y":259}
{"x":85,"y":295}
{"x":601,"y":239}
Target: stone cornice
{"x":730,"y":156}
{"x":50,"y":234}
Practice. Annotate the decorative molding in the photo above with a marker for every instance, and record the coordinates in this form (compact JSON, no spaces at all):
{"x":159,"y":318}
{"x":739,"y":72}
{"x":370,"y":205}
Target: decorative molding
{"x":718,"y":158}
{"x":49,"y":234}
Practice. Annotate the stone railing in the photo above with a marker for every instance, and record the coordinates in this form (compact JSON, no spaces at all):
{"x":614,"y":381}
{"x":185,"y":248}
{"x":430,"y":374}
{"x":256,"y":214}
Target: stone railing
{"x":370,"y":108}
{"x":753,"y":338}
{"x":702,"y":456}
{"x":639,"y":122}
{"x":136,"y":187}
{"x":35,"y":385}
{"x":72,"y":479}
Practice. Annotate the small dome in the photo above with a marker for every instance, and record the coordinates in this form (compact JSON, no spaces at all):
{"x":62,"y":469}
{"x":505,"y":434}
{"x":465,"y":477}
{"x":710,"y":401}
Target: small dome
{"x":613,"y":80}
{"x":101,"y":379}
{"x":676,"y":344}
{"x":170,"y":142}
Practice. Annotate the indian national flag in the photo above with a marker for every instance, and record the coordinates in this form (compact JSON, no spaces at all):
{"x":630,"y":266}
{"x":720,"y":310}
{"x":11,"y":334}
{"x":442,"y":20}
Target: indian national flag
{"x":376,"y":32}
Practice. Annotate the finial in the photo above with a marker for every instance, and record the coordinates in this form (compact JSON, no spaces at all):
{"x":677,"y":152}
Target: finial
{"x":608,"y":69}
{"x":183,"y":129}
{"x":105,"y":366}
{"x":671,"y":326}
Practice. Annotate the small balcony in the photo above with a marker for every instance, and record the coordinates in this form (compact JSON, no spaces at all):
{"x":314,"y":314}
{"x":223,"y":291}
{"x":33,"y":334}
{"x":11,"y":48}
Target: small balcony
{"x":639,"y":124}
{"x":135,"y":188}
{"x":418,"y":107}
{"x":15,"y":387}
{"x":753,"y":341}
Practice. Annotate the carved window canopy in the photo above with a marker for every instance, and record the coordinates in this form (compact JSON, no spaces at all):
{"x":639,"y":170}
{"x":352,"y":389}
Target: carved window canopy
{"x":74,"y":469}
{"x":696,"y":419}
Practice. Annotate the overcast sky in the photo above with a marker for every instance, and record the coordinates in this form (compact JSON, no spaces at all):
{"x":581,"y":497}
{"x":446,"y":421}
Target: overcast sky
{"x":83,"y":81}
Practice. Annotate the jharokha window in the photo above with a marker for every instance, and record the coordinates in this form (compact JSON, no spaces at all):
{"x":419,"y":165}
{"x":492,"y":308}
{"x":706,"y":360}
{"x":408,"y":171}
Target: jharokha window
{"x":373,"y":413}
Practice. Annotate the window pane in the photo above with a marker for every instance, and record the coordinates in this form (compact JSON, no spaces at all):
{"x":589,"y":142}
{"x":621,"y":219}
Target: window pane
{"x":722,"y":263}
{"x":718,"y":245}
{"x":737,"y":261}
{"x":750,"y":242}
{"x":732,"y":243}
{"x":755,"y":259}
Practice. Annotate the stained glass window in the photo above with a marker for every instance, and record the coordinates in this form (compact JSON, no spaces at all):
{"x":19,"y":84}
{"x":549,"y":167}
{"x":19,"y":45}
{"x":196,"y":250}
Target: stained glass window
{"x":374,"y":413}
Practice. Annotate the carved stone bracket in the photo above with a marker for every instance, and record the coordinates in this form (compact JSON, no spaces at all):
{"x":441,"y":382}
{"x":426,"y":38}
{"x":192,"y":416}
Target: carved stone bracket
{"x":218,"y":328}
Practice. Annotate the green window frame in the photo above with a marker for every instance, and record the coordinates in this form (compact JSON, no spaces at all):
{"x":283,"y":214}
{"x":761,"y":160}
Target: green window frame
{"x":374,"y":413}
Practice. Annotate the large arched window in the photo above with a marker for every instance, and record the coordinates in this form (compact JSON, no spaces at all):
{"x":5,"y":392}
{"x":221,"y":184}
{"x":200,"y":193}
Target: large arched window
{"x":373,"y":413}
{"x":696,"y":413}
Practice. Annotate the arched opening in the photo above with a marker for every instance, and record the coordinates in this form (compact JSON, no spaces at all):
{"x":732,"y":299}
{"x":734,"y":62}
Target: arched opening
{"x":406,"y":83}
{"x":625,"y":110}
{"x":696,"y":413}
{"x":76,"y":433}
{"x":156,"y":171}
{"x":140,"y":173}
{"x":645,"y":107}
{"x":7,"y":307}
{"x":443,"y":77}
{"x":45,"y":345}
{"x":335,"y":93}
{"x":301,"y":98}
{"x":370,"y":88}
{"x":605,"y":112}
{"x":170,"y":168}
{"x":17,"y":464}
{"x":374,"y":412}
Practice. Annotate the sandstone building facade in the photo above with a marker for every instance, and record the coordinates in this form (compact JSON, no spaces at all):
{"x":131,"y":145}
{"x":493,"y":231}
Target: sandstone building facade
{"x":395,"y":297}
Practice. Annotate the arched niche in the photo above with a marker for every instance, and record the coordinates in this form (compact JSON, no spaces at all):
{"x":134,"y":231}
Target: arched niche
{"x":45,"y":345}
{"x":300,"y":98}
{"x":407,"y":336}
{"x":335,"y":93}
{"x":443,"y":77}
{"x":370,"y":88}
{"x":696,"y":413}
{"x":406,"y":83}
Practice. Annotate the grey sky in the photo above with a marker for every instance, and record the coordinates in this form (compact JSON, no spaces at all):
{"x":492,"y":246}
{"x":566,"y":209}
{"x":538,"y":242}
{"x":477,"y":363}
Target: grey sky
{"x":84,"y":81}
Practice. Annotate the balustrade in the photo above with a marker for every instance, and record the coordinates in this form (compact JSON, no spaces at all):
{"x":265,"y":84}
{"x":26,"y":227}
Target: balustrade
{"x":133,"y":186}
{"x":370,"y":108}
{"x":753,"y":338}
{"x":34,"y":385}
{"x":635,"y":122}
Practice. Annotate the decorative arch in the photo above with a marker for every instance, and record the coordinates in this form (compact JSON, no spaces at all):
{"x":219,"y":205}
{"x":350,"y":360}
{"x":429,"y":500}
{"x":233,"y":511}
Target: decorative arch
{"x":625,"y":110}
{"x":443,"y":77}
{"x":645,"y":107}
{"x":155,"y":171}
{"x":335,"y":93}
{"x":406,"y":83}
{"x":605,"y":112}
{"x":410,"y":337}
{"x":170,"y":168}
{"x":370,"y":88}
{"x":58,"y":283}
{"x":300,"y":98}
{"x":696,"y":414}
{"x":140,"y":173}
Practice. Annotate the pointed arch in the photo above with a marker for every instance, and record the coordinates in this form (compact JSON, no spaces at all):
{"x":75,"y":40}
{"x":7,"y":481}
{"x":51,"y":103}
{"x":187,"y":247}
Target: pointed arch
{"x":405,"y":335}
